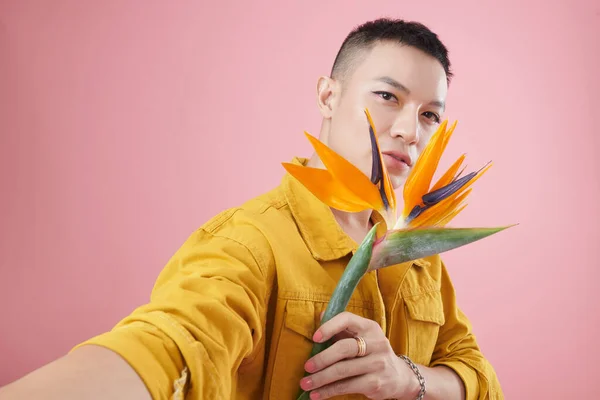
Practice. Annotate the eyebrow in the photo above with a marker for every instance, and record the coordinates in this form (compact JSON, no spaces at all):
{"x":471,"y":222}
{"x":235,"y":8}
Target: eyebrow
{"x":394,"y":83}
{"x":437,"y":103}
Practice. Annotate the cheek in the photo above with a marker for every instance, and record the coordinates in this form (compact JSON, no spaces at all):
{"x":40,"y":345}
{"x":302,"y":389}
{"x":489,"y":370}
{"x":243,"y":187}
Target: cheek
{"x":424,"y":138}
{"x":355,"y":147}
{"x":421,"y":145}
{"x":383,"y":117}
{"x":349,"y":135}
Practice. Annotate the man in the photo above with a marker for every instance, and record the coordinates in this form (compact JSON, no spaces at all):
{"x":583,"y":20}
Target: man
{"x":235,"y":312}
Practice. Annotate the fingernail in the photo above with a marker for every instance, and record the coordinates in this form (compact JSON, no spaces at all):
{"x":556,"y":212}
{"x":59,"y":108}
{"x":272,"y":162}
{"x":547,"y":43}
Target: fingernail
{"x":309,"y":366}
{"x":315,"y":396}
{"x":306,"y":383}
{"x":318,"y":336}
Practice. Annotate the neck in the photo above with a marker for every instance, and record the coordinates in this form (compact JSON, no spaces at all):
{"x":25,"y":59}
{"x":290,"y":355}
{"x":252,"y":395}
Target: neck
{"x":355,"y":225}
{"x":315,"y":162}
{"x":357,"y":220}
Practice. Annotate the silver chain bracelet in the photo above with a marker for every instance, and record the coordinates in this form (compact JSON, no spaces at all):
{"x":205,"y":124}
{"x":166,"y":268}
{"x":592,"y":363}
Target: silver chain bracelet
{"x":418,"y":373}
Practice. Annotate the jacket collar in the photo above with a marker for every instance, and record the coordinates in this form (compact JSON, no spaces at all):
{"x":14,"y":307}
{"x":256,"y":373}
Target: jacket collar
{"x":318,"y":227}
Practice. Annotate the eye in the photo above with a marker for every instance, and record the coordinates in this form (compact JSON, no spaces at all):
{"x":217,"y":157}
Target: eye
{"x":432,"y":116}
{"x":387,"y":96}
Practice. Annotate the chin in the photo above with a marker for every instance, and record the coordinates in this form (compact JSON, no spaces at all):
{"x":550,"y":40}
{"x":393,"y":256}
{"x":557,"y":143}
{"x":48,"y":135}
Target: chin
{"x":398,"y":181}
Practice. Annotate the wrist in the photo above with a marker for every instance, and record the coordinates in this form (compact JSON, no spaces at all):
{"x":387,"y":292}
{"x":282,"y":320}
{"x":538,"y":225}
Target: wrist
{"x":415,"y":387}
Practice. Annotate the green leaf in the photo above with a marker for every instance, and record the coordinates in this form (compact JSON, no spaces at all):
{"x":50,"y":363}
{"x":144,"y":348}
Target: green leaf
{"x":355,"y":270}
{"x":403,"y":245}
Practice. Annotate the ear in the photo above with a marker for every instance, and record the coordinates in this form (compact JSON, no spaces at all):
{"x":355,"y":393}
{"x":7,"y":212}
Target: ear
{"x":326,"y":95}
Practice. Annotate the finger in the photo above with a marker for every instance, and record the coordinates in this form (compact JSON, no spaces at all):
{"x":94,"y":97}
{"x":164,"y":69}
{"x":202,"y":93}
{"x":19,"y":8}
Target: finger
{"x":369,"y":385}
{"x":342,"y":350}
{"x":345,"y":334}
{"x":339,"y":336}
{"x":336,"y":372}
{"x":343,"y":321}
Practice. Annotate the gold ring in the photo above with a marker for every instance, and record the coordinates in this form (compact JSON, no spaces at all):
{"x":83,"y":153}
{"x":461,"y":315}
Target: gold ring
{"x":362,"y":346}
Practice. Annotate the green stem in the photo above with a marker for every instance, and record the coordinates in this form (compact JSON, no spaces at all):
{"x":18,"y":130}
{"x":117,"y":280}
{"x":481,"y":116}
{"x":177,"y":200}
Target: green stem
{"x":354,"y":271}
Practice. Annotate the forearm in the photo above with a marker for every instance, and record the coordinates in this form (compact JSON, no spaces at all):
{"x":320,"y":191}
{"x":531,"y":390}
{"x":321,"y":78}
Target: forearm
{"x":90,"y":372}
{"x":442,"y":383}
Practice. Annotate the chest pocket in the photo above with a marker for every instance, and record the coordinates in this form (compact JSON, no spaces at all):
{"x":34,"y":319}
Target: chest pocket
{"x":294,"y":344}
{"x":292,"y":347}
{"x":424,"y":317}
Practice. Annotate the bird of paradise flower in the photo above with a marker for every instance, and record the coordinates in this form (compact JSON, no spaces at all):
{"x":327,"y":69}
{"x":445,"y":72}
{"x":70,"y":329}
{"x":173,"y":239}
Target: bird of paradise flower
{"x":419,"y":231}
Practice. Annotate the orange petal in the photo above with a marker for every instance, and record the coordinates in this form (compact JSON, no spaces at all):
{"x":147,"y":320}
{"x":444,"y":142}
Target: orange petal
{"x":477,"y":176}
{"x":444,"y":221}
{"x":449,"y":175}
{"x":326,"y":188}
{"x":414,"y":179}
{"x":419,"y":180}
{"x":348,"y":175}
{"x":440,"y":211}
{"x":387,"y":182}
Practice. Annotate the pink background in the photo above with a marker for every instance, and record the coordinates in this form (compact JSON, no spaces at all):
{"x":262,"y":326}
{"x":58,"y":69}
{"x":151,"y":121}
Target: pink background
{"x":113,"y":116}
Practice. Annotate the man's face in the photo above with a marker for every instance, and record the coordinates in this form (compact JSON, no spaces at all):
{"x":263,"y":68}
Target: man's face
{"x":405,"y":91}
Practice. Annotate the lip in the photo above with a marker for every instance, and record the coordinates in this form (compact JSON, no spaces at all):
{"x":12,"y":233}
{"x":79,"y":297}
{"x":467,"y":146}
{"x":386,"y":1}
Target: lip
{"x":399,"y":157}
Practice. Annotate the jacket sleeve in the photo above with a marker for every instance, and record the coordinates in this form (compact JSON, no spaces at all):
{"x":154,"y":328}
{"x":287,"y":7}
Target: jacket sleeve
{"x":205,"y":315}
{"x":457,"y":349}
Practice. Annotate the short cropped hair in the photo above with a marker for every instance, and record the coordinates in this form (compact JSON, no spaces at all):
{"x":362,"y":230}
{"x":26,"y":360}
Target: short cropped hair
{"x":365,"y":36}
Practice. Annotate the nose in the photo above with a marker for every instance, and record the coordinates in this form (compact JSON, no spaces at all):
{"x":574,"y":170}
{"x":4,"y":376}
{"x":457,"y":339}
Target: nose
{"x":406,"y":126}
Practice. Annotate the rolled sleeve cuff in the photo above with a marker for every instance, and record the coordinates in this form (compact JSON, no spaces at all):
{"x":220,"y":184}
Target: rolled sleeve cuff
{"x":149,"y":351}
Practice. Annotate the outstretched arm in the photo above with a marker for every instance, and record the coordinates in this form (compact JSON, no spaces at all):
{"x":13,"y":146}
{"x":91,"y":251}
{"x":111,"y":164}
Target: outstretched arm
{"x":90,"y":372}
{"x":206,"y":314}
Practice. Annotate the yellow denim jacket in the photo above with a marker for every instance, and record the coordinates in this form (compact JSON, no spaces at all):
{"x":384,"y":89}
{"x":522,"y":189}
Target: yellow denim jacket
{"x":232,"y":314}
